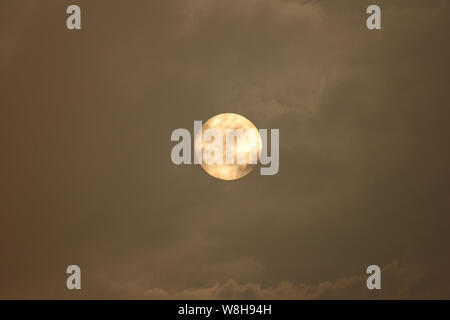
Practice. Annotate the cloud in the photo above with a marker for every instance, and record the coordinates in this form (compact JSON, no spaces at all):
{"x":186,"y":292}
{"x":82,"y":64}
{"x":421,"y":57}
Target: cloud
{"x":396,"y":280}
{"x":87,"y":176}
{"x":15,"y":21}
{"x":197,"y":12}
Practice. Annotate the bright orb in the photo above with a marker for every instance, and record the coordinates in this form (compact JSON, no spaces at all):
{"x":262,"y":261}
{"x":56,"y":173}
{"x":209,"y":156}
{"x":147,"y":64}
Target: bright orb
{"x":223,"y":122}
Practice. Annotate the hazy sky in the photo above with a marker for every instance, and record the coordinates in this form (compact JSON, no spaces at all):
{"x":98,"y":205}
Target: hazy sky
{"x":86,"y":174}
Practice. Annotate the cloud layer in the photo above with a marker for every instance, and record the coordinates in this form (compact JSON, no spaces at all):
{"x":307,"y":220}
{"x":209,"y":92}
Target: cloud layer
{"x":87,"y":179}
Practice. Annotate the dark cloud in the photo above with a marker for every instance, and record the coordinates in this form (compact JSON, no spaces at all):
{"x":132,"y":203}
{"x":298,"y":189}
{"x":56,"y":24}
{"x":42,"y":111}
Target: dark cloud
{"x":87,"y":179}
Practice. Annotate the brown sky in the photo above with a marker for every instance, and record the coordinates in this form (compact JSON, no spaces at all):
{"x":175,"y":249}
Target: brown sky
{"x":86,"y":175}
